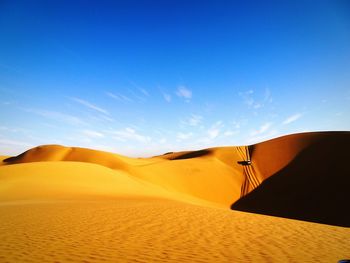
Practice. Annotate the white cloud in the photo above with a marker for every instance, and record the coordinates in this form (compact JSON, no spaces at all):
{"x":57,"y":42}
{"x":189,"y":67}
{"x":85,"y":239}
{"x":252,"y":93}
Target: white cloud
{"x":184,"y":136}
{"x":90,"y":105}
{"x":9,"y":129}
{"x":253,"y":103}
{"x":215,"y":130}
{"x":263,"y":128}
{"x":119,"y":97}
{"x":106,"y":118}
{"x":183,"y":92}
{"x":230,"y":133}
{"x":163,"y":140}
{"x":194,"y":120}
{"x":15,"y":143}
{"x":262,"y":137}
{"x":145,"y":92}
{"x":292,"y":118}
{"x":130,"y":134}
{"x":58,"y":116}
{"x":267,"y":97}
{"x":248,"y":97}
{"x":167,"y":97}
{"x":213,"y":133}
{"x":92,"y":134}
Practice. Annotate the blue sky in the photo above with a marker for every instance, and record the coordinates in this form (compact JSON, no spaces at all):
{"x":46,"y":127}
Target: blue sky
{"x":146,"y":77}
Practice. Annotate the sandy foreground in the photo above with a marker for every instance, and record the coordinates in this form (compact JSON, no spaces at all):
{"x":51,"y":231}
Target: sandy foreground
{"x":61,"y":204}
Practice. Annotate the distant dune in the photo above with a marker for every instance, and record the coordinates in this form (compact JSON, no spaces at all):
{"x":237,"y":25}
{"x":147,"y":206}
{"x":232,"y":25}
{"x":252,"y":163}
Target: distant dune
{"x":71,"y":204}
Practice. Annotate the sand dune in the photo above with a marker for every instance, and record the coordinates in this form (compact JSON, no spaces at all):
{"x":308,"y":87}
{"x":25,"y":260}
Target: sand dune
{"x":71,"y":204}
{"x":308,"y":178}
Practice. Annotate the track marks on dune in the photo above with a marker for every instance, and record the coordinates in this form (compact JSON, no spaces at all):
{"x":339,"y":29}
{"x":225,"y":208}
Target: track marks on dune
{"x":250,"y":181}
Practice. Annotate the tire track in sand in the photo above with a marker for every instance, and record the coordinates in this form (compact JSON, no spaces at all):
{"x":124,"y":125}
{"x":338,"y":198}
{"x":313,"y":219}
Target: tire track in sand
{"x":250,"y":181}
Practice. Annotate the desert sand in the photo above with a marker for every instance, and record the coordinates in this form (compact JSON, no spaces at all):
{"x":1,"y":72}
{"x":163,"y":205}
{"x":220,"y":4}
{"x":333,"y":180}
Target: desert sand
{"x":69,"y":204}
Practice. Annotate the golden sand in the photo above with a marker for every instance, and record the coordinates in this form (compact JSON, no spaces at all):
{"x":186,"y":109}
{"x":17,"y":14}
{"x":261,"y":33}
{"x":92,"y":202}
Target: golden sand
{"x":62,"y":204}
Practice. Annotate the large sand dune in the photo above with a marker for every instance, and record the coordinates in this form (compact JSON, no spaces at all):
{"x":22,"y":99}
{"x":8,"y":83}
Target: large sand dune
{"x":308,"y":178}
{"x":69,"y":204}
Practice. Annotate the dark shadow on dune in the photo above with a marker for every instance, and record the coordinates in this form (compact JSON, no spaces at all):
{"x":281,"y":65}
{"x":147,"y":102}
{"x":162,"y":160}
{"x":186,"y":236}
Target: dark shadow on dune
{"x":314,"y":186}
{"x":15,"y":159}
{"x":251,"y":149}
{"x":193,"y":154}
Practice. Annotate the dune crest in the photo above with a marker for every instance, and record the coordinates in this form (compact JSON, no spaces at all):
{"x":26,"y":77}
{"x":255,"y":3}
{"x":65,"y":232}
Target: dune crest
{"x":302,"y":176}
{"x":71,"y":204}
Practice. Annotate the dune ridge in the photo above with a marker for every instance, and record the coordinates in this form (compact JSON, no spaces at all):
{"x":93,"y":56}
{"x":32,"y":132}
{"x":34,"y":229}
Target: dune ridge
{"x":96,"y":206}
{"x":304,"y":176}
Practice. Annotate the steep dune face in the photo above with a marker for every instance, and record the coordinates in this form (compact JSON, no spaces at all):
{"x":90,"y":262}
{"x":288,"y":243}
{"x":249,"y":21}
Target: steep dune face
{"x":306,"y":177}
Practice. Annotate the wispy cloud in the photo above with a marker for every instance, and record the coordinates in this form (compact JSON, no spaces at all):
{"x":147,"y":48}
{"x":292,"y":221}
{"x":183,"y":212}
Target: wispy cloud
{"x":162,"y":140}
{"x":107,"y":118}
{"x":92,"y":134}
{"x":263,"y":128}
{"x":292,"y":118}
{"x":10,"y":129}
{"x":215,"y":130}
{"x":250,"y":100}
{"x":193,"y":120}
{"x":145,"y":92}
{"x":184,"y":92}
{"x":15,"y":143}
{"x":184,"y":136}
{"x":262,"y":136}
{"x":130,"y":134}
{"x":58,"y":116}
{"x":137,"y":94}
{"x":268,"y":96}
{"x":90,"y":105}
{"x":229,"y":133}
{"x":167,"y":97}
{"x":119,"y":97}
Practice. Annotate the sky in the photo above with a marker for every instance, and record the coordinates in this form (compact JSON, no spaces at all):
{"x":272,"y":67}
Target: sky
{"x":142,"y":78}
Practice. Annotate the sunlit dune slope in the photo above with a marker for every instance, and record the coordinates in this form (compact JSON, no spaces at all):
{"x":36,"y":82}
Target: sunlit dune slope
{"x":308,"y":178}
{"x":305,"y":176}
{"x":213,"y":175}
{"x":69,"y":204}
{"x":51,"y":153}
{"x":50,"y":181}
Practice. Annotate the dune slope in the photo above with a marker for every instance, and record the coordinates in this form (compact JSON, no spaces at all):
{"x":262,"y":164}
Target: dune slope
{"x":69,"y":204}
{"x":301,"y":176}
{"x":214,"y":176}
{"x":308,"y":178}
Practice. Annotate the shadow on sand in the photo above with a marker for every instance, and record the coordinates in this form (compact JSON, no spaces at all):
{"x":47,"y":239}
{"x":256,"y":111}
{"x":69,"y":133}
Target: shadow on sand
{"x":314,"y":186}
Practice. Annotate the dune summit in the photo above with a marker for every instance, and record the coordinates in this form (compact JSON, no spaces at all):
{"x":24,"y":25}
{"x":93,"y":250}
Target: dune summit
{"x":97,"y":206}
